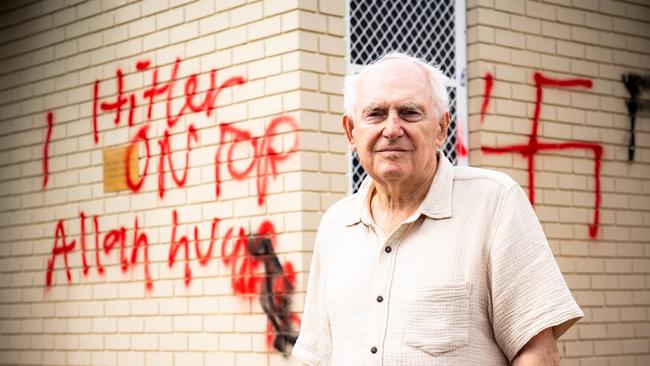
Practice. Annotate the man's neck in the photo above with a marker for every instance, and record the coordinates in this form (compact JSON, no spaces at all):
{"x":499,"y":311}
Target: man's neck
{"x":391,"y":204}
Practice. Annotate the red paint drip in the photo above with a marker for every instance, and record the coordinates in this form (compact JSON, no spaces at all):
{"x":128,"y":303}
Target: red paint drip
{"x":46,"y":148}
{"x":100,"y":268}
{"x":176,"y":245}
{"x":140,"y":239}
{"x":95,"y":103}
{"x":487,"y":93}
{"x":82,"y":220}
{"x":533,"y":147}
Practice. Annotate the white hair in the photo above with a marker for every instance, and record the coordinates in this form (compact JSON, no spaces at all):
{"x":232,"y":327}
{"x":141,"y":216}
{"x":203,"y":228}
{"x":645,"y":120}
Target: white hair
{"x":438,"y":83}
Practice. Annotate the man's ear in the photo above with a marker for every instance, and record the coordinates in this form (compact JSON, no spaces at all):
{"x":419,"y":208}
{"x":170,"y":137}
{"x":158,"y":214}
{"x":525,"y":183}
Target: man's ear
{"x":443,"y":122}
{"x":348,"y":126}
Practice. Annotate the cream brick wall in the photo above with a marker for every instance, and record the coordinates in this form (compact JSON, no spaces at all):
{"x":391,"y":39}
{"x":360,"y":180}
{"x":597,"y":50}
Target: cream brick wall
{"x":599,"y":40}
{"x":291,"y":54}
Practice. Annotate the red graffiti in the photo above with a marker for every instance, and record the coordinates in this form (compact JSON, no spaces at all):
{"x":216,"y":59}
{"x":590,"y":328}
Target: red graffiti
{"x":176,"y":245}
{"x":120,"y":100}
{"x":155,"y":90}
{"x":140,"y":136}
{"x":255,"y":268}
{"x":487,"y":92}
{"x":118,"y":237}
{"x":84,"y":261}
{"x":252,"y":273}
{"x":46,"y":146}
{"x":534,"y":146}
{"x":166,"y":150}
{"x":244,"y":279}
{"x":235,"y":252}
{"x":265,"y":156}
{"x":461,"y":147}
{"x":57,"y":250}
{"x":204,"y":258}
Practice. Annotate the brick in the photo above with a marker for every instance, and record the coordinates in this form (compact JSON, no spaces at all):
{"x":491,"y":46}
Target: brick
{"x":592,"y":331}
{"x":265,"y":28}
{"x":187,"y":323}
{"x":526,"y":58}
{"x":248,"y":52}
{"x":493,"y":18}
{"x":184,"y":32}
{"x":571,"y":16}
{"x":289,"y":42}
{"x":540,"y":44}
{"x":331,"y":45}
{"x":235,"y":342}
{"x":627,"y":26}
{"x":540,"y":10}
{"x":598,"y":21}
{"x":609,"y":347}
{"x":336,"y":26}
{"x":510,"y":6}
{"x":579,"y":348}
{"x":153,"y":6}
{"x":620,"y":330}
{"x":584,"y":35}
{"x":199,"y":9}
{"x":231,"y":37}
{"x":246,"y":14}
{"x":215,"y":23}
{"x":127,"y":13}
{"x":64,"y":16}
{"x":480,"y":34}
{"x":89,"y":8}
{"x":611,"y":39}
{"x":509,"y":39}
{"x":490,"y":53}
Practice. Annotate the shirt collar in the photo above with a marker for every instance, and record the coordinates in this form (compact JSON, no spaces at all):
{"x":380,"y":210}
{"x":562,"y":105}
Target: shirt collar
{"x":436,"y":204}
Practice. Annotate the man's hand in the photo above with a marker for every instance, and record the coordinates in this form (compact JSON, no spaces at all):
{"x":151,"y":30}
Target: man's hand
{"x":541,"y":350}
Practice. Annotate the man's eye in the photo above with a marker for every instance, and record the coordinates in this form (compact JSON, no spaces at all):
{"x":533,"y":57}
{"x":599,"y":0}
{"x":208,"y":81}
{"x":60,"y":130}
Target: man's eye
{"x":375,"y":115}
{"x":410,"y":115}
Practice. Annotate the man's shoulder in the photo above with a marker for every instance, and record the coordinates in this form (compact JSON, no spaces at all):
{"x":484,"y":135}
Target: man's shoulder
{"x":344,"y":208}
{"x":482,"y":176}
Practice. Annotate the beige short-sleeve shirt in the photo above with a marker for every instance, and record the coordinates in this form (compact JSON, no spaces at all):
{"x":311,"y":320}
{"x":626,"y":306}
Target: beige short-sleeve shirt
{"x":467,"y":280}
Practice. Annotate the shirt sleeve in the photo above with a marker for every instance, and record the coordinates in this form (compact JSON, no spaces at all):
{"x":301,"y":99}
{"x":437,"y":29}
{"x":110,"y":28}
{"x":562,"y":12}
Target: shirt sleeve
{"x":313,"y":346}
{"x":528,"y":292}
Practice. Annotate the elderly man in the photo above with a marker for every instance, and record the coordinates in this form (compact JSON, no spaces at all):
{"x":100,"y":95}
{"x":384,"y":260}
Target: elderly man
{"x":428,"y":264}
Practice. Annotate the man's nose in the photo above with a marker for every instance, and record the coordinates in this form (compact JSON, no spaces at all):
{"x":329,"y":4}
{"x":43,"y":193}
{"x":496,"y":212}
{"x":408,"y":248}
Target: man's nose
{"x":393,"y":128}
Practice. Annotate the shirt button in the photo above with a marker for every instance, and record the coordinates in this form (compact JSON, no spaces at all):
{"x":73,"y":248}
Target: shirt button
{"x":373,"y":350}
{"x":388,"y":249}
{"x":380,"y":298}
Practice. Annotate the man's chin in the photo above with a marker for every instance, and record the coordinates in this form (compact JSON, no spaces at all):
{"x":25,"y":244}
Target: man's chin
{"x":391,"y":174}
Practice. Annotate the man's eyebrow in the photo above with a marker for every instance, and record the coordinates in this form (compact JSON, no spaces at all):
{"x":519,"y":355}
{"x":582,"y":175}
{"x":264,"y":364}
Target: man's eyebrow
{"x":411,"y":106}
{"x":373,"y":106}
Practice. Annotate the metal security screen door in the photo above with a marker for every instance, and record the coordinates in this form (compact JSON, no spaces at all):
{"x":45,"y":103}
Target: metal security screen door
{"x":432,"y":29}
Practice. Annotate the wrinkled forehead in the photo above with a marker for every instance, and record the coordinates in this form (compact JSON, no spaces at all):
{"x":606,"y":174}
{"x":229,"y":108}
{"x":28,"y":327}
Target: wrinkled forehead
{"x":394,"y":81}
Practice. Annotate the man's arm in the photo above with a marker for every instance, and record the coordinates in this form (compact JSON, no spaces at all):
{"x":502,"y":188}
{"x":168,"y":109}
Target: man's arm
{"x":541,"y":350}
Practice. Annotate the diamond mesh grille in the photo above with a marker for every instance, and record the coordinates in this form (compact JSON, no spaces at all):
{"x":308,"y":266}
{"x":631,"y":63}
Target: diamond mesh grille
{"x":422,"y":28}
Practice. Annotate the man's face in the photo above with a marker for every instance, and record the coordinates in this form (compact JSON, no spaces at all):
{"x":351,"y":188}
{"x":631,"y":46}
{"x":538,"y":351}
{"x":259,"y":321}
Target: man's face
{"x":395,"y":127}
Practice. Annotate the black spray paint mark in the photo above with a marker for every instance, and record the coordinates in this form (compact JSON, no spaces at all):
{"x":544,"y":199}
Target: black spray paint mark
{"x":275,"y":294}
{"x":635,"y":84}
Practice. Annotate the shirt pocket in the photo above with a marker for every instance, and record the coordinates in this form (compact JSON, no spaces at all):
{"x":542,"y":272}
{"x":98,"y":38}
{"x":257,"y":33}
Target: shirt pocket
{"x":438,"y":318}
